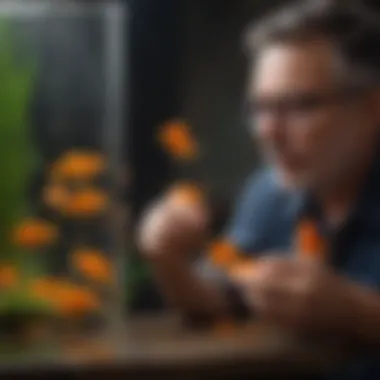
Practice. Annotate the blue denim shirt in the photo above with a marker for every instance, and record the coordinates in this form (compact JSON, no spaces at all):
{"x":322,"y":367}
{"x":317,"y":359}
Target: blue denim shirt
{"x":265,"y":219}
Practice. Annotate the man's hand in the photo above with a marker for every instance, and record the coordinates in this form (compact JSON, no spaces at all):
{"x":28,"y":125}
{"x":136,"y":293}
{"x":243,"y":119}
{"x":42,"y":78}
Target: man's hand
{"x":171,"y":230}
{"x":300,"y":294}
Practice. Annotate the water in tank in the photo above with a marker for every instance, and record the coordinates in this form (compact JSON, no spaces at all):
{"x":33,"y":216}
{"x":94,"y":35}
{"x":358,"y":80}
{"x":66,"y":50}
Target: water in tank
{"x":62,"y":254}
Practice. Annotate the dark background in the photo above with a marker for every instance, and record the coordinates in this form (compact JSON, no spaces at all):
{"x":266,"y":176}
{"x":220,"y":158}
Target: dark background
{"x":187,"y":60}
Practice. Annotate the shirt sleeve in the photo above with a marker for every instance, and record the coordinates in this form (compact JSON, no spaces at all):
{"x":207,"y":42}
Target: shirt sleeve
{"x":251,"y":221}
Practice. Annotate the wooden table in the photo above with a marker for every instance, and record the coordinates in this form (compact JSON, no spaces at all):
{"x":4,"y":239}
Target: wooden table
{"x":160,"y":347}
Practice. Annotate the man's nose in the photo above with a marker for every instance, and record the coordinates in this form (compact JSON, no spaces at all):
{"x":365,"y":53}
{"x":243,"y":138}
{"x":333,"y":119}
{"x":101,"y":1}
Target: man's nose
{"x":270,"y":126}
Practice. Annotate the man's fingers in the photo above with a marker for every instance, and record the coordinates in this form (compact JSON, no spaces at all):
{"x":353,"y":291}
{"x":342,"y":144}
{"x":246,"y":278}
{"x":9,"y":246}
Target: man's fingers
{"x":263,"y":270}
{"x":243,"y":273}
{"x":271,"y":284}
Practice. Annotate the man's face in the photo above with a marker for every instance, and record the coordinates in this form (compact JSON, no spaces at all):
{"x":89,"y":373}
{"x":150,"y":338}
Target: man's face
{"x":310,"y":128}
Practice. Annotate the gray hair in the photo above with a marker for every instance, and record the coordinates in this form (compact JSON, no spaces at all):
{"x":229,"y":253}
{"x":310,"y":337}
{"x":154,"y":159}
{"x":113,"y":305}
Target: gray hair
{"x":352,"y":28}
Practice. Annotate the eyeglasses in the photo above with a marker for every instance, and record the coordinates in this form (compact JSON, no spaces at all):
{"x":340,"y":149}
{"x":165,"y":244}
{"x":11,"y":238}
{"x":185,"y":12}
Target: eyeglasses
{"x":301,"y":104}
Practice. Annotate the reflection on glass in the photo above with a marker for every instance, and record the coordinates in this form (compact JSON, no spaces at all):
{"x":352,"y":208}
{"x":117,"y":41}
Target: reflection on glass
{"x":61,"y":253}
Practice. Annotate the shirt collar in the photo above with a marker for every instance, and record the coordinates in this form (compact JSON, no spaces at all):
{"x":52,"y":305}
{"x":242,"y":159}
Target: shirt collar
{"x":364,"y":212}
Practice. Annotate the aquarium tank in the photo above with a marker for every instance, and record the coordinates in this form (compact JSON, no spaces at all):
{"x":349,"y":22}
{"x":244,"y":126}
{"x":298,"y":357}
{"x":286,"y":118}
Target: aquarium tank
{"x":62,"y":248}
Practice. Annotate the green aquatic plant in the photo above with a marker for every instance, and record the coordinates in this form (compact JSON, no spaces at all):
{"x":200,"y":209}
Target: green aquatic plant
{"x":17,"y":156}
{"x":18,"y":160}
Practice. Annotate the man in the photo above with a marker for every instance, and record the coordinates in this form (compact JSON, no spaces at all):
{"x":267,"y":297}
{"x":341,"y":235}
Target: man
{"x":313,"y":100}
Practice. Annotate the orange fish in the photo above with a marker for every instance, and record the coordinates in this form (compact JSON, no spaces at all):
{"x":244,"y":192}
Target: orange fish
{"x":77,"y":302}
{"x":35,"y":233}
{"x":68,"y":299}
{"x":224,"y":254}
{"x":309,"y":242}
{"x":177,"y":140}
{"x":81,"y":165}
{"x":93,"y":265}
{"x":187,"y":193}
{"x":86,"y":203}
